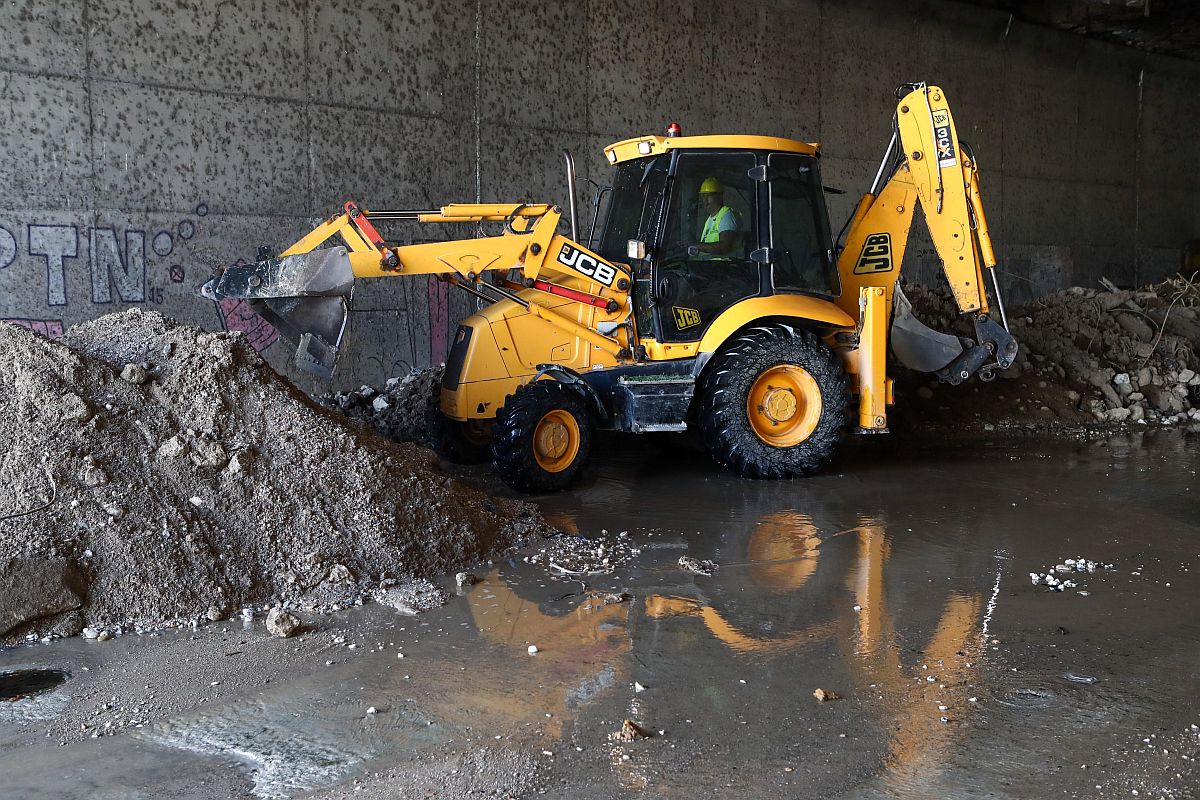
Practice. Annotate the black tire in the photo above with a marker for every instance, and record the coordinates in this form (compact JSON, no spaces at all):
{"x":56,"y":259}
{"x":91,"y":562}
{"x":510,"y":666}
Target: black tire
{"x":724,"y":393}
{"x":455,"y":441}
{"x":515,"y":437}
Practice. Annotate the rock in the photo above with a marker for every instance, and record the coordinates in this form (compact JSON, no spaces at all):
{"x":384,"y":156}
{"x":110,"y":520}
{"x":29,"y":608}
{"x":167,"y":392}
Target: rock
{"x":215,"y":613}
{"x":340,"y":573}
{"x":465,"y":579}
{"x":74,"y":408}
{"x":1135,"y":326}
{"x":1143,"y":376}
{"x":380,"y":404}
{"x":1187,"y":375}
{"x":1121,"y":379}
{"x":282,"y":624}
{"x":90,"y":633}
{"x":135,"y":374}
{"x":1117,"y":414}
{"x":1136,"y":413}
{"x":1110,"y":396}
{"x":630,"y":731}
{"x":532,"y":649}
{"x":209,"y":453}
{"x":103,"y":636}
{"x":698,"y":566}
{"x":36,"y":588}
{"x":93,"y":476}
{"x":824,"y":696}
{"x":239,"y":462}
{"x":412,"y":598}
{"x":172,"y":448}
{"x":1160,"y":397}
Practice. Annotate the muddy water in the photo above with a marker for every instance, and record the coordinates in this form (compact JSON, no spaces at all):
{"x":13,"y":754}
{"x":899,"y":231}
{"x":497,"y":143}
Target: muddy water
{"x":898,"y":581}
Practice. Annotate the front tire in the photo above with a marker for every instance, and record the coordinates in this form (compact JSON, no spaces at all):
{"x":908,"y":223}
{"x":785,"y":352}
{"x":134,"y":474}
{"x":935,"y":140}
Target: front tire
{"x":542,"y":437}
{"x":773,"y":403}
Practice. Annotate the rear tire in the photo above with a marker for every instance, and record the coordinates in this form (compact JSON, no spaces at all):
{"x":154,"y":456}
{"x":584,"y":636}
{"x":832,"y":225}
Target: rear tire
{"x":773,"y":403}
{"x":542,"y":437}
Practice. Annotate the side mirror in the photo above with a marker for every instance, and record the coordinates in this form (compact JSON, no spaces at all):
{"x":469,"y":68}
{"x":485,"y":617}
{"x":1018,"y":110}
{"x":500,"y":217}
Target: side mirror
{"x":636,"y":250}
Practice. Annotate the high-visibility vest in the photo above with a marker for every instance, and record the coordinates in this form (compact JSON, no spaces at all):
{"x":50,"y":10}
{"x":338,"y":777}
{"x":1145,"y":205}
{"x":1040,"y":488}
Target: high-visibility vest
{"x":712,"y":226}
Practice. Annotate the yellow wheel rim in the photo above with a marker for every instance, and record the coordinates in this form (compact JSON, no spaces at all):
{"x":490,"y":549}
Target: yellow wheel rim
{"x":556,"y":440}
{"x":784,"y":405}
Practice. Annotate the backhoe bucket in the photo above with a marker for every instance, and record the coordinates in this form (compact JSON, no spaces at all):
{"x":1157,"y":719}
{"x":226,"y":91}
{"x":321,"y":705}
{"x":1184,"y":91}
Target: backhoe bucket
{"x":305,"y":296}
{"x":916,"y":345}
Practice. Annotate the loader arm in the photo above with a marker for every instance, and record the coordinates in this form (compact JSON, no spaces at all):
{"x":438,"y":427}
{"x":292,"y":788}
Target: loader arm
{"x":305,"y":290}
{"x":926,"y":165}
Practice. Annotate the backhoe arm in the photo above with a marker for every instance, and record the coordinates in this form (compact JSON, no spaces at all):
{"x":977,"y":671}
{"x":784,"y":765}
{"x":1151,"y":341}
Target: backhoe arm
{"x":926,"y":164}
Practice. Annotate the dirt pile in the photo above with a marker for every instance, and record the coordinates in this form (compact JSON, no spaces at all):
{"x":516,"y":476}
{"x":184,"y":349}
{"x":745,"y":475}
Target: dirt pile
{"x":1112,"y":356}
{"x":153,"y":474}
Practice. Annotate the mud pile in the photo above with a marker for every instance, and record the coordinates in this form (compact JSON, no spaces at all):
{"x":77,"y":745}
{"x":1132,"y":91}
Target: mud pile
{"x":1087,"y":355}
{"x":153,"y":474}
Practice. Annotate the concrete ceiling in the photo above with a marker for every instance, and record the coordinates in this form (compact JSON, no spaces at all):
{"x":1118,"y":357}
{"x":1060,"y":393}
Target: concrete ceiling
{"x":1170,"y":27}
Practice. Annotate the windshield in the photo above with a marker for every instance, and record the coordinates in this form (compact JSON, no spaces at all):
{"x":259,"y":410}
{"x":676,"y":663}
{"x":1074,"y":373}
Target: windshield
{"x":633,"y":205}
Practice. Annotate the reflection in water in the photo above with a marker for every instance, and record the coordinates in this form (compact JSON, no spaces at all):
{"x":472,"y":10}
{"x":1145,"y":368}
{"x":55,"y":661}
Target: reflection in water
{"x":927,"y":703}
{"x":783,"y":551}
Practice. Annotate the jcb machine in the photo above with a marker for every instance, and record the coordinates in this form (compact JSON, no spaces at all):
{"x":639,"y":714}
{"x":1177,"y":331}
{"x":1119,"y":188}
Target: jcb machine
{"x":713,"y":295}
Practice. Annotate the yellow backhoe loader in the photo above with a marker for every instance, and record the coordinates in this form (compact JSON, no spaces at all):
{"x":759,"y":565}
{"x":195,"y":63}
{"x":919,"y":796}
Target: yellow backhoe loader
{"x":712,"y":295}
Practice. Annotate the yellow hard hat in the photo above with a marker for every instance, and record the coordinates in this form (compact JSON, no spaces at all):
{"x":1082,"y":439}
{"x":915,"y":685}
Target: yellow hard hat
{"x":711,"y":186}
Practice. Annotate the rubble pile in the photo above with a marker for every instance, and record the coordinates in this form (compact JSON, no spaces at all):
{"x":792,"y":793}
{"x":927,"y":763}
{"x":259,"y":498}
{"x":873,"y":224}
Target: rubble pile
{"x":400,"y":410}
{"x":155,"y":474}
{"x":1109,"y":355}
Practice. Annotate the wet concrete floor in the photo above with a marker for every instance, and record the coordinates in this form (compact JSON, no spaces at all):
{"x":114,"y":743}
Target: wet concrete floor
{"x":899,"y":581}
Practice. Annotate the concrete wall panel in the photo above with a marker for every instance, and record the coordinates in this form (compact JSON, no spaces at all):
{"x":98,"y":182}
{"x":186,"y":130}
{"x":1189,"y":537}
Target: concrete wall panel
{"x":42,"y":37}
{"x":416,"y":57}
{"x":167,"y":149}
{"x":252,"y":47}
{"x":45,"y":151}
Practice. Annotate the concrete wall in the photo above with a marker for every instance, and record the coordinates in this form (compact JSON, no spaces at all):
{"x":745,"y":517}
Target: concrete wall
{"x":143,"y":141}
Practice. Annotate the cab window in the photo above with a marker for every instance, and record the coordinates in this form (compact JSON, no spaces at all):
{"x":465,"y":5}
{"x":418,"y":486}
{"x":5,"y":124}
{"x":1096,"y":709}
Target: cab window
{"x":799,"y":227}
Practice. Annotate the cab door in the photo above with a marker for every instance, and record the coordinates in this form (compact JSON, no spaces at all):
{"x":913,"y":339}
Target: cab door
{"x":702,"y":261}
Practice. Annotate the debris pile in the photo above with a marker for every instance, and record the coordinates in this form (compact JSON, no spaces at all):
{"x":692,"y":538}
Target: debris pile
{"x":1069,"y":566}
{"x":155,"y":474}
{"x":400,"y":410}
{"x":572,"y":556}
{"x":1110,"y":355}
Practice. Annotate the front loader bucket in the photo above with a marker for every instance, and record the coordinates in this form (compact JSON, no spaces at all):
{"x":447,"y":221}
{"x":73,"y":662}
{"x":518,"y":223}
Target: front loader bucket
{"x":305,"y":296}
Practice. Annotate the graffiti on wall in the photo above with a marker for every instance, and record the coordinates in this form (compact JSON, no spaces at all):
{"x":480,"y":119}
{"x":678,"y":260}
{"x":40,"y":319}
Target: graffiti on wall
{"x":117,"y":271}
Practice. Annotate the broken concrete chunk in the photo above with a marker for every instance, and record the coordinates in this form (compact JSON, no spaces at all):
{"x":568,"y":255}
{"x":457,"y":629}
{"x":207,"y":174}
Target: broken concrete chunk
{"x":74,"y":408}
{"x":282,"y":624}
{"x":698,"y":566}
{"x":36,"y":588}
{"x":339,"y":573}
{"x":93,"y":476}
{"x":412,"y":598}
{"x":172,"y":448}
{"x":630,"y":731}
{"x":824,"y":695}
{"x":135,"y":374}
{"x":209,"y":453}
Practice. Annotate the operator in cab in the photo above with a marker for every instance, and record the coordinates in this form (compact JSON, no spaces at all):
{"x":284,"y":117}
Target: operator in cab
{"x":718,"y":237}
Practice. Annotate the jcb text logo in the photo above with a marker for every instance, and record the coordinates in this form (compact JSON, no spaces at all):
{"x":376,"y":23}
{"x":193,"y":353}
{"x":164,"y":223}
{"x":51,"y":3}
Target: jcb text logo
{"x":876,"y":255}
{"x":942,"y":138}
{"x":685,"y":317}
{"x":590,"y":266}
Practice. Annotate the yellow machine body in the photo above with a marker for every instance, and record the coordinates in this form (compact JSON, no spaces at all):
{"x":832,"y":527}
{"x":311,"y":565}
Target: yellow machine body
{"x":556,"y":303}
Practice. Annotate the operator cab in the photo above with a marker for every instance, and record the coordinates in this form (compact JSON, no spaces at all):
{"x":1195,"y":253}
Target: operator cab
{"x":707,"y":221}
